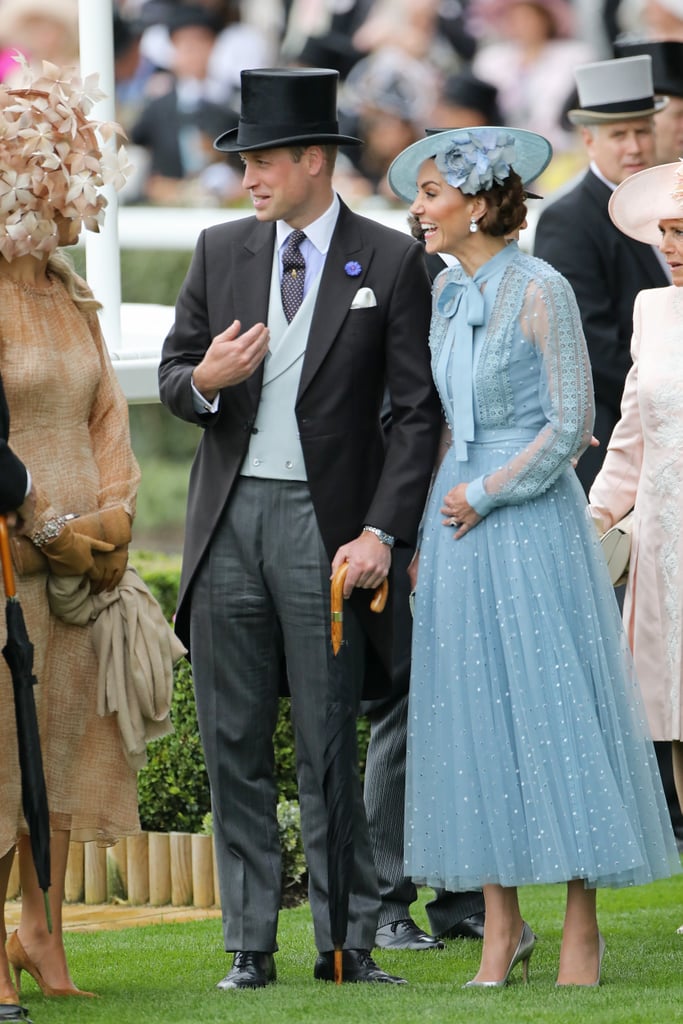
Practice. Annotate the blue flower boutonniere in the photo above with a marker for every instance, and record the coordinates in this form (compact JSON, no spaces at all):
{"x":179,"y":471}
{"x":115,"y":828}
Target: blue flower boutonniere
{"x":352,"y":268}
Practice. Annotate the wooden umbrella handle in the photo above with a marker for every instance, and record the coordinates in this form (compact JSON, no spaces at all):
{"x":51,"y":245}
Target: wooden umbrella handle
{"x":337,"y":606}
{"x":379,"y":598}
{"x":6,"y":558}
{"x":378,"y":603}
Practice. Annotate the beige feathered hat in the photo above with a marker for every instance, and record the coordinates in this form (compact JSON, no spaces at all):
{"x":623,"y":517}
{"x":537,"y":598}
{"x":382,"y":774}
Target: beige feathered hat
{"x":53,"y":159}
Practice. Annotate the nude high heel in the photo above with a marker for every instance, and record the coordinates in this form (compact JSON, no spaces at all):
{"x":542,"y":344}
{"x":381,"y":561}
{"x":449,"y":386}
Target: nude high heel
{"x":525,"y":948}
{"x":588,"y":984}
{"x":19,"y":961}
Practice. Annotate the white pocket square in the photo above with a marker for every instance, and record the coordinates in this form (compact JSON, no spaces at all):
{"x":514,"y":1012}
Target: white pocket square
{"x":363,"y":299}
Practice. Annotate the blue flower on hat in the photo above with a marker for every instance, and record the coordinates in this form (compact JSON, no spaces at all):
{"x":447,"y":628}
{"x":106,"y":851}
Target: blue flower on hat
{"x":352,"y":268}
{"x":474,"y":163}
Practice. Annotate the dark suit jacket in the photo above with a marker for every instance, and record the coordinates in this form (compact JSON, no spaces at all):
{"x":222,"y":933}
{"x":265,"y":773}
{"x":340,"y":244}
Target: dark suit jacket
{"x":160,"y":124}
{"x":606,"y":269}
{"x":350,"y":356}
{"x":13,"y":476}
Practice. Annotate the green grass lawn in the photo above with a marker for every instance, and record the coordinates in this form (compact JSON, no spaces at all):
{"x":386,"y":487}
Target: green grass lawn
{"x":167,"y":973}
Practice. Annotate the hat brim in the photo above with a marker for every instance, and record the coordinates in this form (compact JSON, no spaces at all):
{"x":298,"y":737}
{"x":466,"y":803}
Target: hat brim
{"x":579,"y":116}
{"x":643,"y":199}
{"x":533,"y":153}
{"x":229,"y":142}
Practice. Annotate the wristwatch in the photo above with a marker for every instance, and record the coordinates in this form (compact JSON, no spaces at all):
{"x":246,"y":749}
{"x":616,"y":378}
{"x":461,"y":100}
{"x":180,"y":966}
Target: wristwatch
{"x":384,"y":538}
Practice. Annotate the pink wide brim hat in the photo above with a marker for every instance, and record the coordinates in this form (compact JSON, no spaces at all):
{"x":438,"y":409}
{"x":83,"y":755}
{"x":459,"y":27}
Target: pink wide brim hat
{"x":643,"y":199}
{"x":488,"y":14}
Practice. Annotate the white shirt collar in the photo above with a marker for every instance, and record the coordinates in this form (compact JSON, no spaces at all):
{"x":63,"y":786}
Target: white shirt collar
{"x":319,"y":232}
{"x":655,"y":248}
{"x":598,"y":174}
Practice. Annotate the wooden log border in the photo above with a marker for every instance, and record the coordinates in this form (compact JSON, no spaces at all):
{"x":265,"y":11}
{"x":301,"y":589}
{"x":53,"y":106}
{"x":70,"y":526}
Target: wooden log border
{"x":153,"y":868}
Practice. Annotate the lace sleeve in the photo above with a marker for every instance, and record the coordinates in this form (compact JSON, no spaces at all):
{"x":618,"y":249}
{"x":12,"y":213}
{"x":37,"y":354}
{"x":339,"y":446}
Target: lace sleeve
{"x":549,"y":320}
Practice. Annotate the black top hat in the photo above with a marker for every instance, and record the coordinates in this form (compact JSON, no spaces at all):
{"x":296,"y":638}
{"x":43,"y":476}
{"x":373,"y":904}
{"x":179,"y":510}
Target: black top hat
{"x":188,"y":16}
{"x":329,"y":50}
{"x":286,"y":107}
{"x":126,"y":32}
{"x":464,"y":89}
{"x":667,"y":62}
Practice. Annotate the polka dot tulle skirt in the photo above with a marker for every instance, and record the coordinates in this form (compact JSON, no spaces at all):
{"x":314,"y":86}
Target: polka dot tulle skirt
{"x":529,"y":757}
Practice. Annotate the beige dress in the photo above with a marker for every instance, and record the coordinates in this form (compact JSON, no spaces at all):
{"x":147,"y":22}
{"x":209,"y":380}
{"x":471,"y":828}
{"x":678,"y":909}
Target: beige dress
{"x":644,"y":467}
{"x":69,"y":424}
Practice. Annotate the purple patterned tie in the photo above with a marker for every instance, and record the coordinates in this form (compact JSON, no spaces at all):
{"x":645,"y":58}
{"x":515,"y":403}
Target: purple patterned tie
{"x":293,"y":274}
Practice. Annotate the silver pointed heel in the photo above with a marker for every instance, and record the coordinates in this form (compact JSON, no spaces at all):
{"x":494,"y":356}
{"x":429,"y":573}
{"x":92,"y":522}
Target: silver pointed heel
{"x":525,"y":948}
{"x":589,"y":984}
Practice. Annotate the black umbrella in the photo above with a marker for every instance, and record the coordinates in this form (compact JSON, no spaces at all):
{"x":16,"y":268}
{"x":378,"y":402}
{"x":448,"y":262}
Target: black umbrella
{"x":18,"y":653}
{"x":338,"y":778}
{"x":340,"y":725}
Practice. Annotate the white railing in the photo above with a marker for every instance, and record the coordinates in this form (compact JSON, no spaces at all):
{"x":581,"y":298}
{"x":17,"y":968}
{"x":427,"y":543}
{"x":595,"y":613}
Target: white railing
{"x":144,"y":326}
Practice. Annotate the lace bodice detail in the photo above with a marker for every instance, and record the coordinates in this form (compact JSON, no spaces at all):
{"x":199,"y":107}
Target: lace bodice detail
{"x":531,"y":373}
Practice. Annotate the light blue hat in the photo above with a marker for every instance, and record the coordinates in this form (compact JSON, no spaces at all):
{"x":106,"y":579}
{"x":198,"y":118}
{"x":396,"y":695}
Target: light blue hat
{"x":472,"y":159}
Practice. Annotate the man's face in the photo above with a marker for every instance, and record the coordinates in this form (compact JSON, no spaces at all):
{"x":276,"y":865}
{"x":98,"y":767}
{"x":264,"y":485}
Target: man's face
{"x":281,"y":187}
{"x":192,"y":47}
{"x":621,"y":148}
{"x":669,"y":131}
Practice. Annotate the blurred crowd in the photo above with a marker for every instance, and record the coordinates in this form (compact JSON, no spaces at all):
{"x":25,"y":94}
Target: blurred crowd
{"x":404,"y":65}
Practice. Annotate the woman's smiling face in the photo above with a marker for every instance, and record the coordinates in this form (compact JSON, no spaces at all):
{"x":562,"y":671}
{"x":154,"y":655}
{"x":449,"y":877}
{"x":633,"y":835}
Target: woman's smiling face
{"x":442,"y":211}
{"x":671,"y":247}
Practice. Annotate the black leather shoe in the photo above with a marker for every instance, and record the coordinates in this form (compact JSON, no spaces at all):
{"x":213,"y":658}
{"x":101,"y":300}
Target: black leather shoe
{"x":249,"y":970}
{"x":357,"y":965}
{"x":405,"y":934}
{"x":13,"y":1012}
{"x":471,"y":927}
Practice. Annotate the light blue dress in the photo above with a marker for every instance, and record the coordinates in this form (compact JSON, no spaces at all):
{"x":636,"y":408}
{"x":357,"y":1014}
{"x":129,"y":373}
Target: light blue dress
{"x":529,"y":758}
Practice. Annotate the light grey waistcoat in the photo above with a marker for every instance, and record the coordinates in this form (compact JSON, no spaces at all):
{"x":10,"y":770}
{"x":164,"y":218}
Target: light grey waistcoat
{"x":275,"y":449}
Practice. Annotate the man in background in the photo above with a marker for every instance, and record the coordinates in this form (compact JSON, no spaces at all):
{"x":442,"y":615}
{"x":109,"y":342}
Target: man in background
{"x":667,"y":75}
{"x":606,"y":269}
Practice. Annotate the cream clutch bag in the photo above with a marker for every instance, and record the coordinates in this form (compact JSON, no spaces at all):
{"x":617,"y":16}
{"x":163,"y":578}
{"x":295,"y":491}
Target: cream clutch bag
{"x":616,"y":545}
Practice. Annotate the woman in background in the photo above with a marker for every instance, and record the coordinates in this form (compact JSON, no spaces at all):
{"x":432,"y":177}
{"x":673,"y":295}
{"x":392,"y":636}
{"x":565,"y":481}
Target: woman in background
{"x":643,"y":467}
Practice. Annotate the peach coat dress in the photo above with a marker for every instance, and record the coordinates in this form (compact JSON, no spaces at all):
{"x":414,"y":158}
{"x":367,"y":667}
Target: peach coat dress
{"x":70,"y":427}
{"x":643,"y":469}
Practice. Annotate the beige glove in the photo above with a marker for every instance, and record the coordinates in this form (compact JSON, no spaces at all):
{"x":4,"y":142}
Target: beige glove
{"x":27,"y":558}
{"x":71,"y":554}
{"x":108,"y":569}
{"x":110,"y":524}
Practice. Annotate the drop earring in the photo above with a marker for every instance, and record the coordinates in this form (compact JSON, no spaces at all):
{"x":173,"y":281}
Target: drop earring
{"x":474,"y":227}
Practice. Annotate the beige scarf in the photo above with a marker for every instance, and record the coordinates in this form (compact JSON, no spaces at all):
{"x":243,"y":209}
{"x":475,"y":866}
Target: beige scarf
{"x":136,"y":651}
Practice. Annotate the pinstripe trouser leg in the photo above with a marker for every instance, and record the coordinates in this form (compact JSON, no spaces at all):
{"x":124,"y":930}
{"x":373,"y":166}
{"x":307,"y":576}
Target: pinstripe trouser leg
{"x":261,"y":598}
{"x":384,"y":792}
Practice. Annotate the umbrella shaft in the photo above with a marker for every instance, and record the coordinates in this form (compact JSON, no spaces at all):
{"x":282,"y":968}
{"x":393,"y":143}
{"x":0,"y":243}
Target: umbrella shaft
{"x":6,"y":558}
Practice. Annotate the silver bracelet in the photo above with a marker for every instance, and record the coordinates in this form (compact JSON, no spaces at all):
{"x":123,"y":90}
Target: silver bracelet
{"x":51,"y":529}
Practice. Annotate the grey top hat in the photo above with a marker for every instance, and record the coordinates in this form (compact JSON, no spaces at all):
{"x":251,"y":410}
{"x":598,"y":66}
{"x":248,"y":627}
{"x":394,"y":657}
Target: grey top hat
{"x":286,"y":107}
{"x":667,"y":61}
{"x":615,"y":90}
